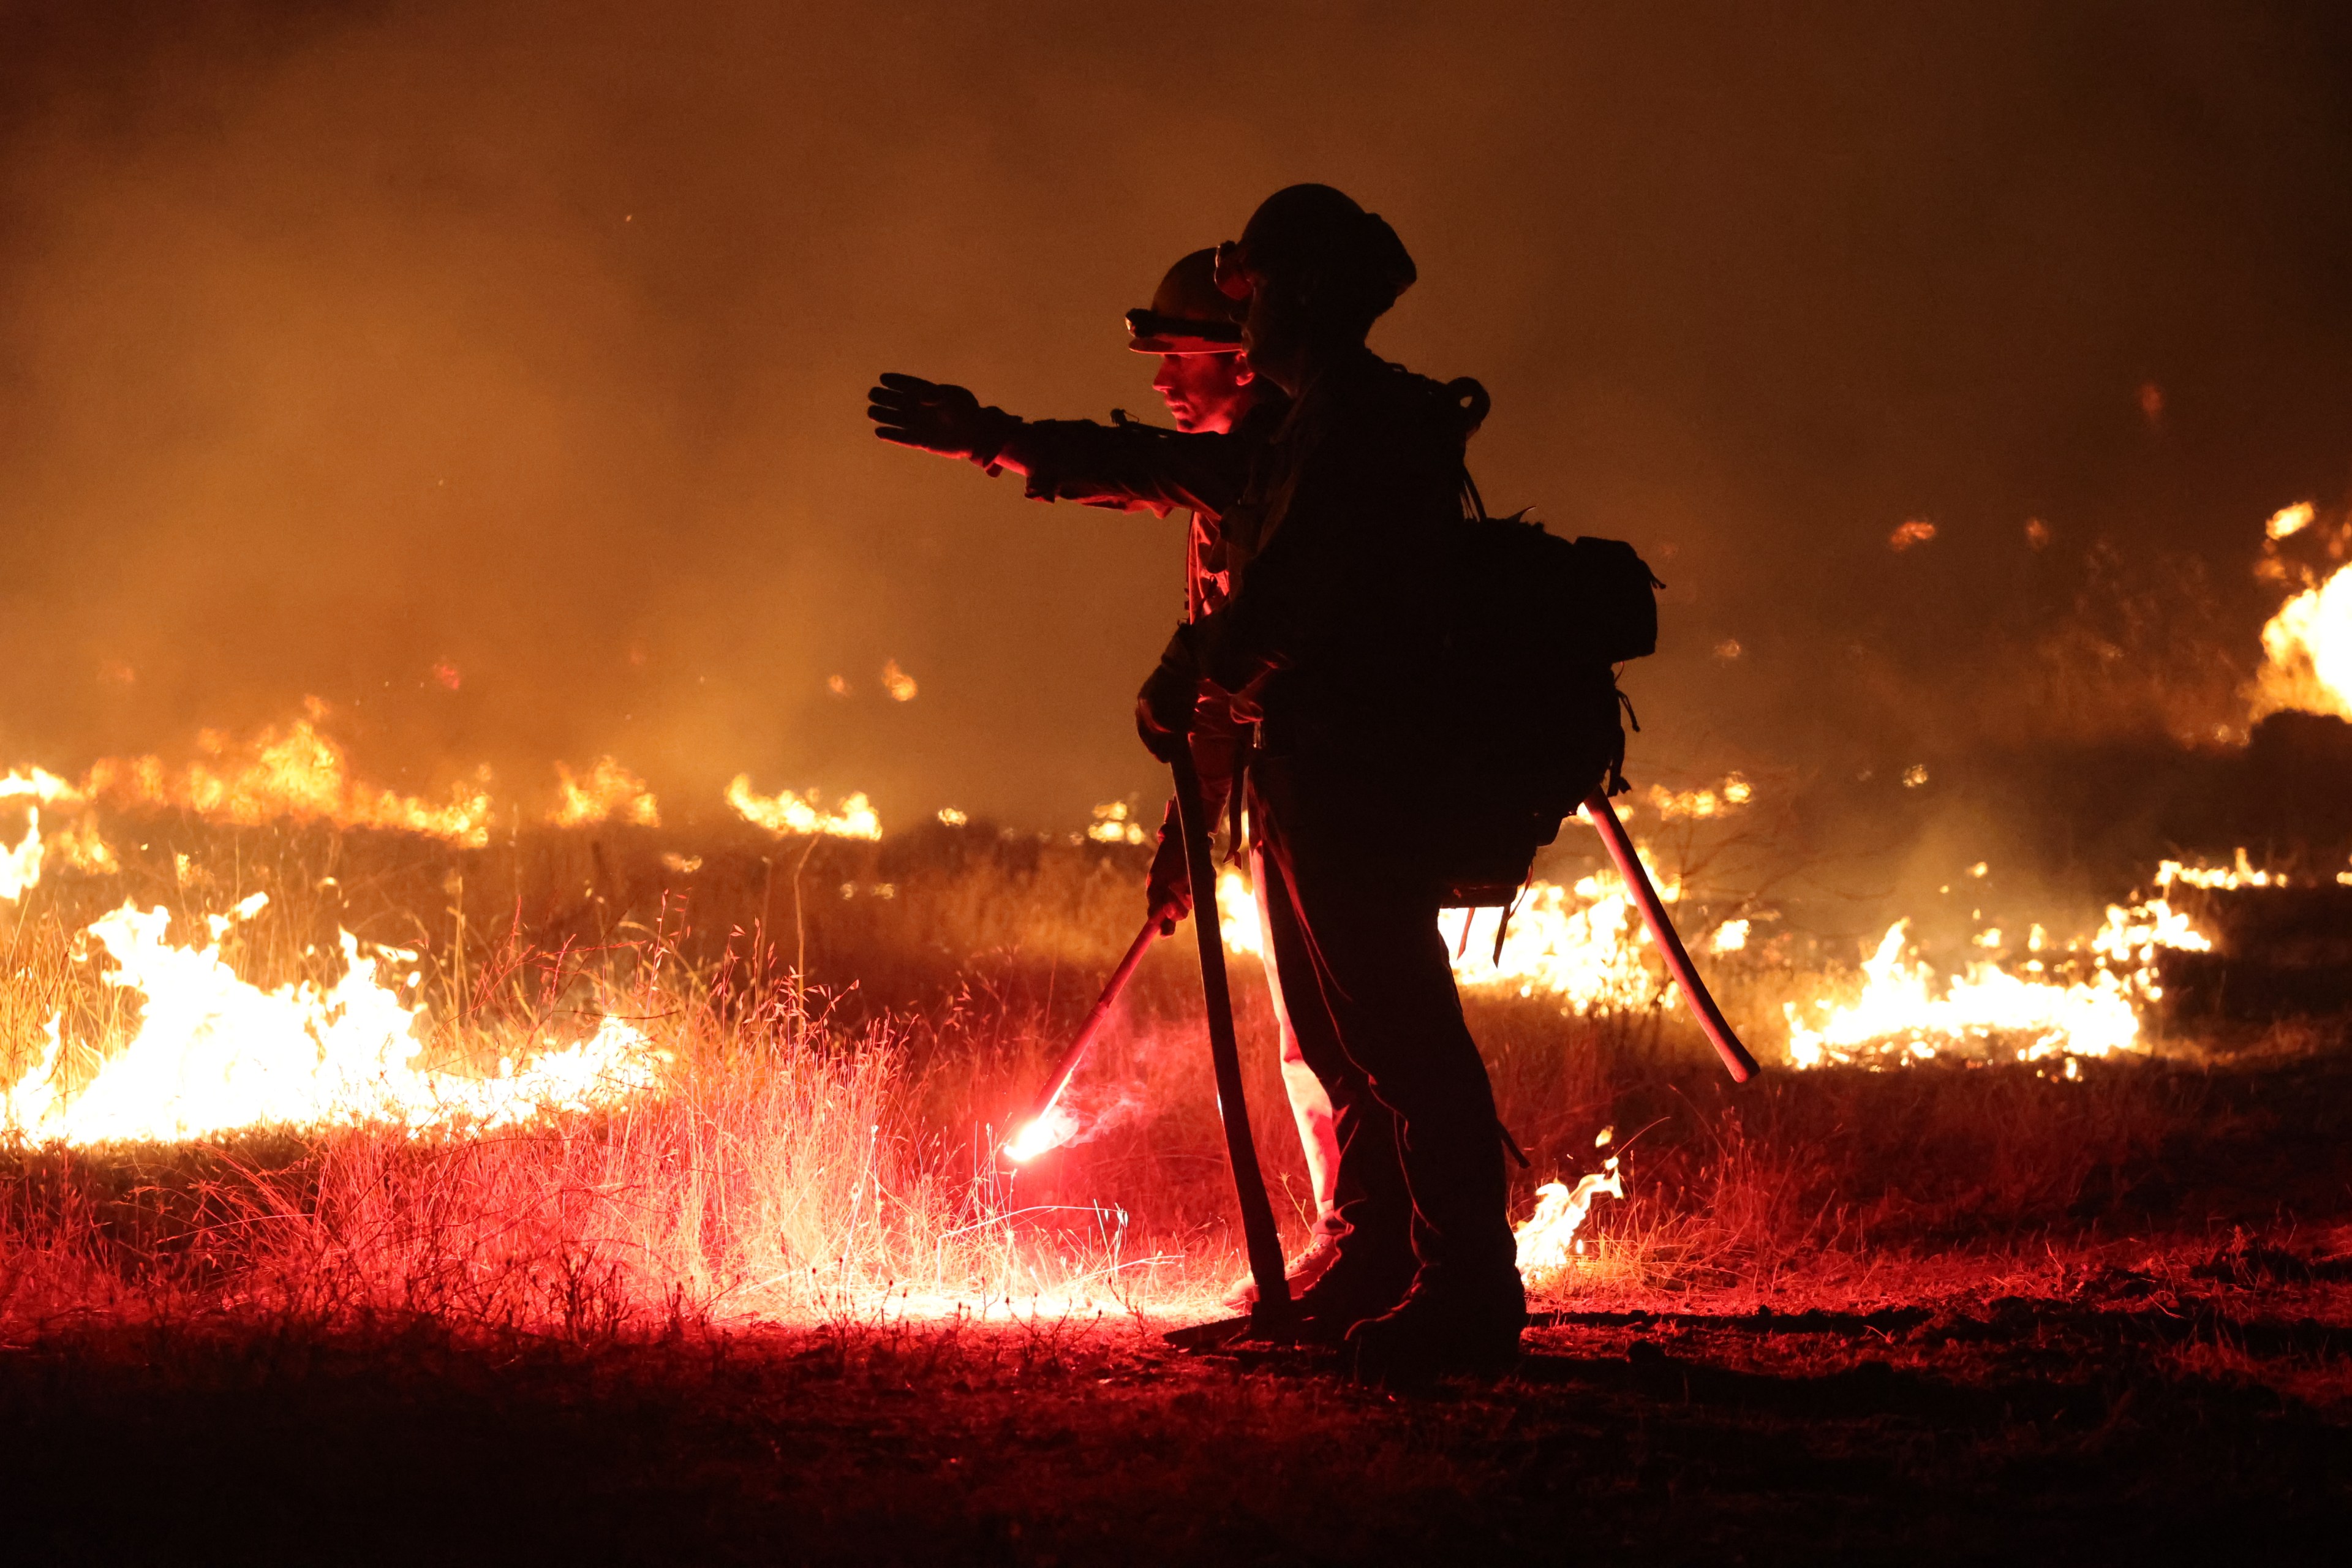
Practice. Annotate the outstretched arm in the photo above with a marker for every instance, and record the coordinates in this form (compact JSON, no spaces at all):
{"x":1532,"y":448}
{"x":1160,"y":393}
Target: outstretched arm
{"x":931,"y":417}
{"x":1132,"y":467}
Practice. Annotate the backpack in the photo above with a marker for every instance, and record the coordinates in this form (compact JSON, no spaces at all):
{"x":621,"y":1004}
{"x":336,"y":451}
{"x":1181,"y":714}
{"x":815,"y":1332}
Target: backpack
{"x":1533,"y":630}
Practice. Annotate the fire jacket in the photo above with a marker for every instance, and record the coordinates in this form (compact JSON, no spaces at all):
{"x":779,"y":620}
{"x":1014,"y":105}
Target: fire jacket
{"x":1139,"y":468}
{"x":1334,"y":547}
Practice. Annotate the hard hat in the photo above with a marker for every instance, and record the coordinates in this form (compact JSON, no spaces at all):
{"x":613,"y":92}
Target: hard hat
{"x":1188,"y":315}
{"x":1317,"y":236}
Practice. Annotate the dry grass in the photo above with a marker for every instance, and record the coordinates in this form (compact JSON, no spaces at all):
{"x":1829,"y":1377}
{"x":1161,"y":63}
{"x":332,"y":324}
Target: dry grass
{"x":825,"y":1152}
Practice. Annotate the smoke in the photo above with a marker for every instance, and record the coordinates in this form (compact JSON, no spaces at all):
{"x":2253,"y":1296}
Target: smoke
{"x":526,"y":343}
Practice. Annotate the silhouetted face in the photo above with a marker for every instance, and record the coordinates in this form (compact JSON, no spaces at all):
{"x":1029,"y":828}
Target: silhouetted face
{"x":1208,"y":393}
{"x":1277,"y":336}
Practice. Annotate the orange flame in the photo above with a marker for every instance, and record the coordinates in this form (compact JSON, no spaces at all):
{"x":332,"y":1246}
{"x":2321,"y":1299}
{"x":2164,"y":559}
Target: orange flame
{"x":214,"y":1052}
{"x":1548,"y":1241}
{"x":20,"y":868}
{"x":800,"y":814}
{"x":608,"y":790}
{"x":293,"y":773}
{"x":2307,"y":652}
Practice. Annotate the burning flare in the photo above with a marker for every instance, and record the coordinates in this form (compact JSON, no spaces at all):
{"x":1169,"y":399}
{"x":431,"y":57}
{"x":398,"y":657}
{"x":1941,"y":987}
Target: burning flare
{"x":1042,"y":1135}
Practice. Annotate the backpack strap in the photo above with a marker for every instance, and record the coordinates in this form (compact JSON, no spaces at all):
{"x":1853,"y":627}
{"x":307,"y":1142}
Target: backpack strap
{"x":1473,"y":505}
{"x":1617,"y":784}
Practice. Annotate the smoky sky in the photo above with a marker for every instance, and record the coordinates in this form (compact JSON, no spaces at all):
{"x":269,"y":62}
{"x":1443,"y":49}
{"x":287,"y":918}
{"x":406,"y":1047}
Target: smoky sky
{"x":529,"y":340}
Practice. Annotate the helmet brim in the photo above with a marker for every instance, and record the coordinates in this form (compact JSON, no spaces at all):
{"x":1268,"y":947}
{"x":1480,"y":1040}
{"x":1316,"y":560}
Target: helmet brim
{"x":1161,"y":343}
{"x":1151,"y":332}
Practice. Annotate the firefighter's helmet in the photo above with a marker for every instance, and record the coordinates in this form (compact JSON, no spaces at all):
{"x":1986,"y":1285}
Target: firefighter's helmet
{"x":1188,"y":315}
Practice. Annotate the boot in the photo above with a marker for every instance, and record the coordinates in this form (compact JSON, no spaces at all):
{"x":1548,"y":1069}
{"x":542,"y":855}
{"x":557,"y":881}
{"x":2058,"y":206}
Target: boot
{"x":1441,"y":1331}
{"x":1362,"y":1283}
{"x":1312,"y":1262}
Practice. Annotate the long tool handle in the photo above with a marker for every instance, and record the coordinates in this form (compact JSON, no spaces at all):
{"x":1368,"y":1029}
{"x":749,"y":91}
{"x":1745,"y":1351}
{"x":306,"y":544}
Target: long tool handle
{"x":1735,"y":1059}
{"x":1272,"y":1311}
{"x":1084,"y":1041}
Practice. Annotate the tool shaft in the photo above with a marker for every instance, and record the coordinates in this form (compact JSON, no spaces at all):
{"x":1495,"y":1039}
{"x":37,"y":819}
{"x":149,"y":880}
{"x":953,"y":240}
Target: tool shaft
{"x":1735,"y":1059}
{"x":1263,"y":1241}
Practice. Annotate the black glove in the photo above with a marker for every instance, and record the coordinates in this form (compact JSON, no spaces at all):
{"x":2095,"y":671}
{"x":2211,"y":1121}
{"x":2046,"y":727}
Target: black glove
{"x":1163,"y":708}
{"x":949,"y":420}
{"x":1168,"y":892}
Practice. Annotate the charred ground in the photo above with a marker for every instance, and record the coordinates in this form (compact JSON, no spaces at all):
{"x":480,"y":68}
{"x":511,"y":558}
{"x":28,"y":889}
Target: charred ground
{"x":2094,"y":1409}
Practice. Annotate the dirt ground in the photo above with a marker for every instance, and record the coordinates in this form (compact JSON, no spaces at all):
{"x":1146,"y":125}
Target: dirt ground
{"x":2089,"y":1407}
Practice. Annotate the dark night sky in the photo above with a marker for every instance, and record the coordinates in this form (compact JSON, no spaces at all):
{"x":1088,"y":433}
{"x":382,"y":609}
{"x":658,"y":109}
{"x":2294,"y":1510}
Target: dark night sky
{"x":338,"y":341}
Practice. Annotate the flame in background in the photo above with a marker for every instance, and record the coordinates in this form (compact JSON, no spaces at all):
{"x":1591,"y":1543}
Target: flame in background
{"x":606,"y":792}
{"x":801,"y":813}
{"x":294,"y":773}
{"x":214,"y":1052}
{"x":1115,"y":824}
{"x":1677,"y":805}
{"x":20,"y":868}
{"x":2307,"y":652}
{"x":1584,"y":944}
{"x":2231,"y":878}
{"x":2307,"y":646}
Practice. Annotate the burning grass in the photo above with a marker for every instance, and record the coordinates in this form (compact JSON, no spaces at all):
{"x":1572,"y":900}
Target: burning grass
{"x":785,"y":1299}
{"x":789,"y":1152}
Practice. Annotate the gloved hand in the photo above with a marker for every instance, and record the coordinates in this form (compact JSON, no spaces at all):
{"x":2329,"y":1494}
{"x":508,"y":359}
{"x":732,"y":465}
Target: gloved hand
{"x":1163,"y":708}
{"x":925,"y":415}
{"x":1168,"y":892}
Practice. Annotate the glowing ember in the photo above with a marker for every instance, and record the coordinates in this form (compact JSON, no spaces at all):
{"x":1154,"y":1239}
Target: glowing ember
{"x":1916,"y":532}
{"x":2290,"y":520}
{"x":801,"y":813}
{"x":606,"y":792}
{"x":293,"y":773}
{"x":897,"y":682}
{"x":214,"y":1052}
